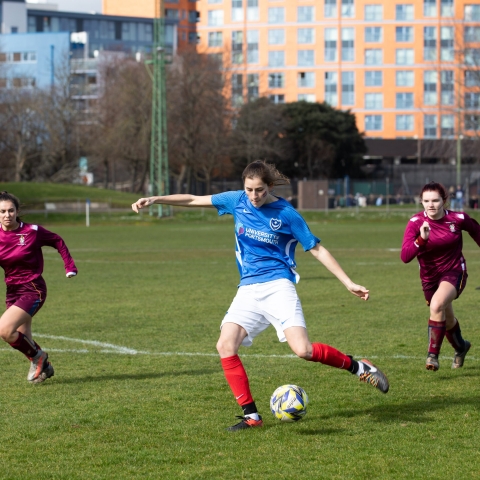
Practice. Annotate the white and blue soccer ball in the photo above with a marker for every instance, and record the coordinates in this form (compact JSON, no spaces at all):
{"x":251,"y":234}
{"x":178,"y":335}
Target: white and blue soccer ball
{"x":289,"y":403}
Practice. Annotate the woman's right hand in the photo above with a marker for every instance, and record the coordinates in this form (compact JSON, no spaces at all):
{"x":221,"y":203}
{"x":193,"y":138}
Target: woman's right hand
{"x":425,"y":230}
{"x":142,"y":203}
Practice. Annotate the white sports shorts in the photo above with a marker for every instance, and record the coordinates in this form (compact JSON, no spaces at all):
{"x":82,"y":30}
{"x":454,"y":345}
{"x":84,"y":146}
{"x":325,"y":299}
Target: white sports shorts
{"x":257,"y":306}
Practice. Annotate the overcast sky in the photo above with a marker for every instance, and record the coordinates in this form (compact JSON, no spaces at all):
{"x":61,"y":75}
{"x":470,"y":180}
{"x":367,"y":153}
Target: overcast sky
{"x":87,"y":6}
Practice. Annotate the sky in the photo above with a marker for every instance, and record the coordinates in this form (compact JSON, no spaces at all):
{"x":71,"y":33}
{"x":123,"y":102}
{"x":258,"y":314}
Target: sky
{"x":84,"y":6}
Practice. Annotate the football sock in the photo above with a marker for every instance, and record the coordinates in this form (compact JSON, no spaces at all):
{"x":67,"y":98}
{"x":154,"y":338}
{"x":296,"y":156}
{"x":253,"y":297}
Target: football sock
{"x":436,"y":334}
{"x":330,"y":356}
{"x":454,"y":336}
{"x":355,"y":367}
{"x":238,"y":381}
{"x":25,"y":345}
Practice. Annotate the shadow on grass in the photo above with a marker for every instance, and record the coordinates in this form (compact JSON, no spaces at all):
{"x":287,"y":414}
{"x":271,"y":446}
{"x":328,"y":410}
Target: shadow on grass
{"x":130,"y":376}
{"x":320,"y":431}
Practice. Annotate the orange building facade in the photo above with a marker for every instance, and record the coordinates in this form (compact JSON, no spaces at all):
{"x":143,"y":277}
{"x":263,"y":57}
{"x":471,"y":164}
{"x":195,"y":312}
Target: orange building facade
{"x":183,"y":11}
{"x":406,"y":68}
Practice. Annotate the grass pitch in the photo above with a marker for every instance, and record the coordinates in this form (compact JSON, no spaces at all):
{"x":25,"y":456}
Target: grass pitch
{"x":138,"y":391}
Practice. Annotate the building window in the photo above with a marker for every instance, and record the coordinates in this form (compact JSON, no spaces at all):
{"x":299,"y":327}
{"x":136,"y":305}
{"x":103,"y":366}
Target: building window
{"x":446,"y":44}
{"x":446,"y":8}
{"x":252,"y":10}
{"x":446,"y":87}
{"x":215,"y":18}
{"x":373,"y":34}
{"x":193,"y":37}
{"x":373,"y":78}
{"x":472,"y":100}
{"x":430,"y":126}
{"x":373,"y":13}
{"x":276,"y":80}
{"x":430,"y":43}
{"x":252,"y":86}
{"x":305,"y":14}
{"x":306,"y":97}
{"x":330,"y":9}
{"x":404,"y":34}
{"x":472,"y":78}
{"x":472,"y":13}
{"x":331,"y":35}
{"x":404,"y":122}
{"x":129,"y":31}
{"x":306,"y":79}
{"x":404,"y":78}
{"x":212,"y":1}
{"x":430,"y":78}
{"x":276,"y":37}
{"x":237,"y":89}
{"x":32,"y":24}
{"x":373,"y":101}
{"x":472,"y":57}
{"x":403,"y":100}
{"x":348,"y":88}
{"x":237,"y":46}
{"x":429,"y":8}
{"x":172,"y":13}
{"x":193,"y":16}
{"x":276,"y":15}
{"x":277,"y":98}
{"x":404,"y":12}
{"x":331,"y":88}
{"x":471,"y":34}
{"x":306,"y":58}
{"x":252,"y":46}
{"x":237,"y":10}
{"x":373,"y":56}
{"x":373,"y":122}
{"x":348,"y":9}
{"x":215,"y":39}
{"x":305,"y":36}
{"x":348,"y":47}
{"x":472,"y":122}
{"x":447,"y":126}
{"x":404,"y":56}
{"x":276,"y":58}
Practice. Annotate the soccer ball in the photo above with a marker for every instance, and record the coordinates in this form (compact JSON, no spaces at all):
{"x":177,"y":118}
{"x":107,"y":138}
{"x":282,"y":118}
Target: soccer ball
{"x":289,"y":403}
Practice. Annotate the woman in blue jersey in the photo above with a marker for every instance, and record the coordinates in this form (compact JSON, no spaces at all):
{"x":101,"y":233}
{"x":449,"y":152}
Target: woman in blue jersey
{"x":267,"y":230}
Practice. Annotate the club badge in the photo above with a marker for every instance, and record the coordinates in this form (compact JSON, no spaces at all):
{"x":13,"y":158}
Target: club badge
{"x":21,"y":239}
{"x":452,"y":227}
{"x":275,"y":223}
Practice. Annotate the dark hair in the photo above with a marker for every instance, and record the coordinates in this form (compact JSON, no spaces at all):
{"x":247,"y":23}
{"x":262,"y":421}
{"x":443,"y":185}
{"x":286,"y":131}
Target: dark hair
{"x":9,"y":197}
{"x":266,"y":172}
{"x":435,"y":187}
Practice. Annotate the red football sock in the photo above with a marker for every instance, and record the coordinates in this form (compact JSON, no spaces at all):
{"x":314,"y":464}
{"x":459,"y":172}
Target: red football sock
{"x":25,"y":345}
{"x":237,"y":379}
{"x":454,"y":336}
{"x":330,"y":356}
{"x":436,"y":334}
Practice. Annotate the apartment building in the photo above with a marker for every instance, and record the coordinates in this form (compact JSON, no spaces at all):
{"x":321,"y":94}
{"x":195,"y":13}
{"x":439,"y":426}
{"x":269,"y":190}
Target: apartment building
{"x":406,"y":68}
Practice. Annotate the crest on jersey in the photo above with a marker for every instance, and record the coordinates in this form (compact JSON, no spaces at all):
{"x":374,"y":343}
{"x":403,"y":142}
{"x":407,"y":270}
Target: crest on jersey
{"x":275,"y":223}
{"x":21,"y":239}
{"x":239,"y":228}
{"x":452,"y":227}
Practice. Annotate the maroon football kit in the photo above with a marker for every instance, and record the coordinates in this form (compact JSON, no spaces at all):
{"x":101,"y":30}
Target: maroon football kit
{"x":440,"y":258}
{"x":22,"y":260}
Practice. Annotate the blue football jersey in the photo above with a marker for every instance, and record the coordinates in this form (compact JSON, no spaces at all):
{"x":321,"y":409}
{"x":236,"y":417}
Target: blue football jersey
{"x":266,"y":237}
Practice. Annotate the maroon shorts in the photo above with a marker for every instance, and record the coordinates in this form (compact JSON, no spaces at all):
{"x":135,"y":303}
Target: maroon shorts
{"x":457,"y":279}
{"x":27,"y":296}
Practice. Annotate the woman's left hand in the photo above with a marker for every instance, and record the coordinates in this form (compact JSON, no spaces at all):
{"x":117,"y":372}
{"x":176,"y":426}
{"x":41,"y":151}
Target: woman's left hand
{"x":359,"y":291}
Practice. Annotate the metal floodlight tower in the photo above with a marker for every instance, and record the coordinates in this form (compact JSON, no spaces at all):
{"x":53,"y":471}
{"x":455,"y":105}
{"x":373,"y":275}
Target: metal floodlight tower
{"x":159,"y":178}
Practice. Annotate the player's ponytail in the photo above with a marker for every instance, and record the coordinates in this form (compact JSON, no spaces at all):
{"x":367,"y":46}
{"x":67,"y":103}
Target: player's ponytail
{"x":267,"y":172}
{"x":8,"y":197}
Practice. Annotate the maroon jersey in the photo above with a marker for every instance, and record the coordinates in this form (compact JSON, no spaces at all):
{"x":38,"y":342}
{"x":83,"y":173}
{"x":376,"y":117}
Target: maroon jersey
{"x":21,"y":252}
{"x":443,"y":251}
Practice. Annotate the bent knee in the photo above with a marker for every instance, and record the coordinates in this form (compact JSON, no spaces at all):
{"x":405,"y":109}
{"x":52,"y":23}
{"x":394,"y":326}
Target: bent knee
{"x":303,"y":352}
{"x":8,"y":336}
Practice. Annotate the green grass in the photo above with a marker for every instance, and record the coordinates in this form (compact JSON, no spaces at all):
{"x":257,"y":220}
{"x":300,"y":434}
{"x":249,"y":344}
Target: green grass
{"x":161,"y":288}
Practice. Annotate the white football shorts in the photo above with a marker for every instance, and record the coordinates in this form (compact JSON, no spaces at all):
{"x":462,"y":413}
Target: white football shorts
{"x":257,"y":306}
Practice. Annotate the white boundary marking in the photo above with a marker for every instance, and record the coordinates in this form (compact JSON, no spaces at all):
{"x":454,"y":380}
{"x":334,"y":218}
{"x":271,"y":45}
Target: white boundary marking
{"x":120,"y":350}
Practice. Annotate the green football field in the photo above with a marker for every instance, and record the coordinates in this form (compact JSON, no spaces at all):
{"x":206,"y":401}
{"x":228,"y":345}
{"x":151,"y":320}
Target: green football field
{"x":138,"y":390}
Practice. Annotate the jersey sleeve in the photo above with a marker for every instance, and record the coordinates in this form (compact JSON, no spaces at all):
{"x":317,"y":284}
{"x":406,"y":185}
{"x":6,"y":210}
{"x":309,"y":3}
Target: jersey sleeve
{"x":410,"y":246}
{"x":226,"y":202}
{"x":301,"y":231}
{"x":471,"y":226}
{"x":50,"y":239}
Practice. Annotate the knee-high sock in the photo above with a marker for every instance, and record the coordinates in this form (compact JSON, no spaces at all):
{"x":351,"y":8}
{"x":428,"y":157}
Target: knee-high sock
{"x":237,"y":379}
{"x":454,"y":336}
{"x":25,"y":345}
{"x":330,"y":356}
{"x":436,"y":334}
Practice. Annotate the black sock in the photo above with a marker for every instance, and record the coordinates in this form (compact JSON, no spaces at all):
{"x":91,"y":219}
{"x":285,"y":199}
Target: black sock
{"x":354,"y":366}
{"x":249,"y":408}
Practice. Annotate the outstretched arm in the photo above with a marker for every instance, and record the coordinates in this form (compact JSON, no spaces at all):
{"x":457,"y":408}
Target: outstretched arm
{"x":327,"y":259}
{"x":180,"y":200}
